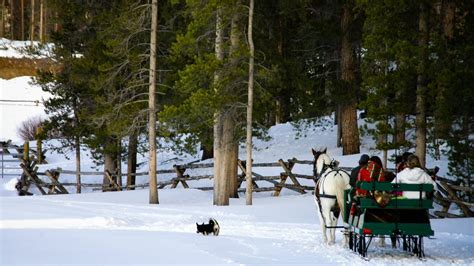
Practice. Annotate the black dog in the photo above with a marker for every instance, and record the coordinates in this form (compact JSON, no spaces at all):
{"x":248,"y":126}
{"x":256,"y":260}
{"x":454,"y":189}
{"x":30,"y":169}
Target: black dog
{"x":206,"y":229}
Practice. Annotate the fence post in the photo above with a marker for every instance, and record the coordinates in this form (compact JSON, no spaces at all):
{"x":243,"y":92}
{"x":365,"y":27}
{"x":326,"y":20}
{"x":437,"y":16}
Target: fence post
{"x":26,"y":151}
{"x":39,"y":145}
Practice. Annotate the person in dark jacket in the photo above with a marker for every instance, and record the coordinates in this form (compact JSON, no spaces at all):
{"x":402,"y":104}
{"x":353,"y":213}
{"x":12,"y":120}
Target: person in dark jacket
{"x":364,"y":159}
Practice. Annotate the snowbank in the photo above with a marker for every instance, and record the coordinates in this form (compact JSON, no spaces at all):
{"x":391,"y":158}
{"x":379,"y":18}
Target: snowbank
{"x":122,"y":228}
{"x":19,"y":101}
{"x":18,"y":49}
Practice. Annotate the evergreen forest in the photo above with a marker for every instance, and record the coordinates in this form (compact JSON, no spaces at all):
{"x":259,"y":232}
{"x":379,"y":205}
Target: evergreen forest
{"x":405,"y":66}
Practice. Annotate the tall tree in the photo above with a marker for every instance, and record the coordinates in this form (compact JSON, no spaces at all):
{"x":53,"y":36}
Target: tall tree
{"x":350,"y":132}
{"x":152,"y":104}
{"x":42,"y":21}
{"x":388,"y":67}
{"x":32,"y":20}
{"x":70,"y":94}
{"x":450,"y":73}
{"x":22,"y":18}
{"x":3,"y":10}
{"x":421,"y":84}
{"x":221,"y":188}
{"x":15,"y":20}
{"x":249,"y":146}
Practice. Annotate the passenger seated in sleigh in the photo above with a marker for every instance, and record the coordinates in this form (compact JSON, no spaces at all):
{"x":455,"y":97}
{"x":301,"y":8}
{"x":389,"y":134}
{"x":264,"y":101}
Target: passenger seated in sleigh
{"x":413,"y":174}
{"x":372,"y":172}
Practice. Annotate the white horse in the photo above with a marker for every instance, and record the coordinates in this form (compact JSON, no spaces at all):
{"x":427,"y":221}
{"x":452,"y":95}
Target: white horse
{"x":329,"y":194}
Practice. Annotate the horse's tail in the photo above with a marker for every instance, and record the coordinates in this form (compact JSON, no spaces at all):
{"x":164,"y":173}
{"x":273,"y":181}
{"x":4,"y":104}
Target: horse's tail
{"x":341,"y":186}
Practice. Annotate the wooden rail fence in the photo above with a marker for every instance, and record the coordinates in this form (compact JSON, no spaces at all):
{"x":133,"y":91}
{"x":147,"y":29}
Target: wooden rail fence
{"x":448,"y":192}
{"x":286,"y":179}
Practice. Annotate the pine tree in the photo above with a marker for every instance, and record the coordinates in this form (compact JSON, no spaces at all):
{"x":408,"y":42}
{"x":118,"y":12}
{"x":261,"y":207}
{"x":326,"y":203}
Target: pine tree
{"x":451,"y":88}
{"x":388,"y":68}
{"x":65,"y":108}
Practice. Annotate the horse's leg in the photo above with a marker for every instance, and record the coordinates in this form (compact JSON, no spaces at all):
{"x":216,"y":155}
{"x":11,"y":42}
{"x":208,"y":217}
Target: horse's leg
{"x":322,"y":221}
{"x":333,"y":224}
{"x":323,"y":228}
{"x":320,"y":210}
{"x":330,"y":219}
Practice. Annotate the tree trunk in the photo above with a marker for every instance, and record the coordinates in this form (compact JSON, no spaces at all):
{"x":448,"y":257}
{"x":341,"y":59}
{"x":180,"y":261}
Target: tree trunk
{"x":350,"y":132}
{"x":249,"y":146}
{"x":383,"y":140}
{"x":278,"y":102}
{"x":221,"y":187}
{"x":421,"y":86}
{"x":221,"y":194}
{"x":41,"y":29}
{"x":110,"y":159}
{"x":337,"y":121}
{"x":448,"y":19}
{"x":467,"y":124}
{"x":231,"y":143}
{"x":132,"y":159}
{"x":444,"y":120}
{"x":2,"y":19}
{"x":47,"y":14}
{"x":32,"y":26}
{"x":151,"y":105}
{"x":399,"y":128}
{"x":15,"y":20}
{"x":78,"y":164}
{"x":278,"y":112}
{"x":232,"y":154}
{"x":207,"y":152}
{"x":57,"y":27}
{"x":400,"y":123}
{"x":9,"y":27}
{"x":22,"y":18}
{"x":119,"y":162}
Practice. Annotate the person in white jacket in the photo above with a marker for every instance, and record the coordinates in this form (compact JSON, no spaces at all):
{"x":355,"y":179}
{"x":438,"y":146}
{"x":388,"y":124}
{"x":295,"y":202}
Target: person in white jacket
{"x":413,"y":174}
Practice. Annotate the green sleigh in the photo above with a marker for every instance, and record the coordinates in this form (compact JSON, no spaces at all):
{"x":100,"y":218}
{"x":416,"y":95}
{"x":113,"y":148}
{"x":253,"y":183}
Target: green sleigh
{"x":406,"y":220}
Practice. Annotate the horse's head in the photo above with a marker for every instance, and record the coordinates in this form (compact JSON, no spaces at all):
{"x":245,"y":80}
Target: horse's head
{"x":320,"y":160}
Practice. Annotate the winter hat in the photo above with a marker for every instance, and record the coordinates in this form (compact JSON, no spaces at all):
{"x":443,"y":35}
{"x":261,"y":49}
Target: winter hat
{"x":364,"y":159}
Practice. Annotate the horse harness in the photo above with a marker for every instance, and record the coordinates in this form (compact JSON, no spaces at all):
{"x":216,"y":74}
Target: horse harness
{"x":335,"y":209}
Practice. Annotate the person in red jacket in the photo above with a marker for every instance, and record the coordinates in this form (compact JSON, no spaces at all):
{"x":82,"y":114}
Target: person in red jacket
{"x":373,"y":172}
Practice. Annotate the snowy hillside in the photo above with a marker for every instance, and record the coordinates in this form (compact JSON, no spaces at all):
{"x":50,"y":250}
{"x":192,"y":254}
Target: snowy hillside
{"x":17,"y":49}
{"x":24,"y":102}
{"x":122,"y":228}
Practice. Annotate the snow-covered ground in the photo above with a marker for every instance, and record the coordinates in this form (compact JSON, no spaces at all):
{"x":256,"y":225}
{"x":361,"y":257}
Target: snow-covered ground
{"x":97,"y":228}
{"x":23,"y":49}
{"x":121,"y":228}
